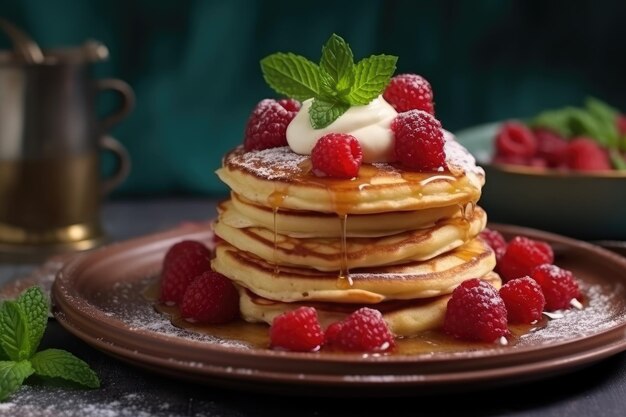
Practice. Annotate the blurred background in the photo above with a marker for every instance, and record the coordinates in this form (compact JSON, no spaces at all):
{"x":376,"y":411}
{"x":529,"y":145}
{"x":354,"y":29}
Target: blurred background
{"x":194,"y":63}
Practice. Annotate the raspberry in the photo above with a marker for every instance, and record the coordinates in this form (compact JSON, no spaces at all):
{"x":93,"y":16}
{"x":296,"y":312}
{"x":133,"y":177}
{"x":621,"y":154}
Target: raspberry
{"x":551,"y":147}
{"x":183,"y":262}
{"x":290,"y":104}
{"x":476,"y":312}
{"x":620,"y":122}
{"x":365,"y":330}
{"x":515,"y":139}
{"x":267,"y":124}
{"x":584,"y":154}
{"x":297,"y":330}
{"x":332,"y":332}
{"x":523,"y":299}
{"x":522,"y":255}
{"x":419,"y":142}
{"x":337,"y":155}
{"x":181,"y":247}
{"x":410,"y":92}
{"x":211,"y":298}
{"x":558,"y":285}
{"x":496,"y":241}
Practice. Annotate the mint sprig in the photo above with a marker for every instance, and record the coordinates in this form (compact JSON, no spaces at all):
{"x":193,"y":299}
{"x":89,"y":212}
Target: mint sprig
{"x":335,"y":85}
{"x":22,"y":325}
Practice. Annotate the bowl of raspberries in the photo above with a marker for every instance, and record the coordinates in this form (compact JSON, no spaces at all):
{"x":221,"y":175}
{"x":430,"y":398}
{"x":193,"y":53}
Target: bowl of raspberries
{"x":563,"y":170}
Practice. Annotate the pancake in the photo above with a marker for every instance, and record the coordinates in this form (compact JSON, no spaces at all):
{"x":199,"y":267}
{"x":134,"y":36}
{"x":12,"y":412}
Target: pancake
{"x":326,"y":254}
{"x":240,"y":212}
{"x":404,"y":317}
{"x":415,"y":279}
{"x":278,"y":177}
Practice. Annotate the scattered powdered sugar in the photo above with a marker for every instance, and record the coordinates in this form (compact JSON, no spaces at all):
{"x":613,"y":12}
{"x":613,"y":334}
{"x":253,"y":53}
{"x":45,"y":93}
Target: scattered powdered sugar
{"x":459,"y":159}
{"x":272,"y":164}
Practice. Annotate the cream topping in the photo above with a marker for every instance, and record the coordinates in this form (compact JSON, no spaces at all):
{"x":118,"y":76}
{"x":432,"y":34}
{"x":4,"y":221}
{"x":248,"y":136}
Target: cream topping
{"x":369,"y":124}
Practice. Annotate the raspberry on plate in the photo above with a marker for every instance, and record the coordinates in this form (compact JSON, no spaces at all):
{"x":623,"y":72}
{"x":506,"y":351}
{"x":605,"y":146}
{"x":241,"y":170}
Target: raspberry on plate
{"x":419,"y":142}
{"x":496,"y":241}
{"x":365,"y":330}
{"x":337,"y":155}
{"x":523,"y":299}
{"x":515,"y":139}
{"x":558,"y":285}
{"x":297,"y":330}
{"x":211,"y":298}
{"x":183,"y":262}
{"x":267,"y":124}
{"x":410,"y":92}
{"x":585,"y":154}
{"x":476,"y":312}
{"x":522,"y":255}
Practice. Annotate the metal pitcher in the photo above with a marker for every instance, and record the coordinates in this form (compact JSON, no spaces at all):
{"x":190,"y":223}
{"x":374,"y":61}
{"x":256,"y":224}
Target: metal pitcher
{"x":50,"y":144}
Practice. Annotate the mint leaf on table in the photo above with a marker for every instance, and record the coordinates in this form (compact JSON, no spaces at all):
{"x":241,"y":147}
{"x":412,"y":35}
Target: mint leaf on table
{"x":58,"y":363}
{"x":335,"y":85}
{"x":291,"y":75}
{"x":12,"y":376}
{"x":13,"y":331}
{"x":22,"y":325}
{"x":322,"y":113}
{"x":338,"y":62}
{"x":35,"y":308}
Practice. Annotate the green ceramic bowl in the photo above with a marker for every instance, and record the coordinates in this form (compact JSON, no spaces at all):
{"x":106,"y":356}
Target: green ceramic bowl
{"x":580,"y":205}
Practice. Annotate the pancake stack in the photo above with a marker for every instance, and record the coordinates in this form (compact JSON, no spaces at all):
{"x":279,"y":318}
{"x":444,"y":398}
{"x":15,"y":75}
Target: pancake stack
{"x":390,"y":239}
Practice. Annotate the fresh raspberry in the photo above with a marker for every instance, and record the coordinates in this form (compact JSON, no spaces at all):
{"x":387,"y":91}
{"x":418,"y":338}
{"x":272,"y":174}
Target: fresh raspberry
{"x":558,"y":285}
{"x":419,"y":142}
{"x":515,"y":139}
{"x":476,"y":312}
{"x":365,"y":330}
{"x":551,"y":147}
{"x":337,"y":155}
{"x":496,"y":241}
{"x":522,"y":255}
{"x":297,"y":330}
{"x":181,"y":265}
{"x":332,"y":332}
{"x":524,"y":300}
{"x":211,"y":298}
{"x":584,"y":154}
{"x":290,"y":104}
{"x":184,"y":246}
{"x":267,"y":124}
{"x":410,"y":92}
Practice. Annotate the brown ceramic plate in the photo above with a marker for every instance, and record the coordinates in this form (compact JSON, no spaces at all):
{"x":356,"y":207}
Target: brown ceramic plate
{"x":101,"y":298}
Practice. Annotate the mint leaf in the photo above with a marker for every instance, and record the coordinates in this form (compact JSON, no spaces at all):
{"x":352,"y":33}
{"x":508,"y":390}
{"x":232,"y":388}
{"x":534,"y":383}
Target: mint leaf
{"x":58,"y":363}
{"x":371,"y":76}
{"x":338,"y":62}
{"x":605,"y":117}
{"x":14,"y":331}
{"x":291,"y":75}
{"x":617,"y":159}
{"x":322,"y":113}
{"x":35,"y":308}
{"x":12,"y":375}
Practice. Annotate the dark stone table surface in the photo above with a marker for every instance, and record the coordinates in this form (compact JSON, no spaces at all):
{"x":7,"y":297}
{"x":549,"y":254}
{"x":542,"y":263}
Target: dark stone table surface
{"x":598,"y":390}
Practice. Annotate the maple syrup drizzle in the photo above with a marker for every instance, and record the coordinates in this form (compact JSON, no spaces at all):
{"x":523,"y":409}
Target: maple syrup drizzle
{"x":275,"y":200}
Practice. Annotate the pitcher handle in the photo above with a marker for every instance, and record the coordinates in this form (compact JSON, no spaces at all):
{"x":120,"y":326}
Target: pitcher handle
{"x":128,"y":100}
{"x":111,"y":144}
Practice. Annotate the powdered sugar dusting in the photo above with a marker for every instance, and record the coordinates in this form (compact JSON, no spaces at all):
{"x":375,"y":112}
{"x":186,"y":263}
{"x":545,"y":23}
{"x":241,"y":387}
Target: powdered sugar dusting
{"x":460,"y":160}
{"x":271,"y":164}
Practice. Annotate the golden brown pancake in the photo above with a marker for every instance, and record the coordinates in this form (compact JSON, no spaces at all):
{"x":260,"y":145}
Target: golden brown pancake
{"x":278,"y":177}
{"x":404,"y":317}
{"x":415,"y":279}
{"x":240,"y":212}
{"x":327,"y":254}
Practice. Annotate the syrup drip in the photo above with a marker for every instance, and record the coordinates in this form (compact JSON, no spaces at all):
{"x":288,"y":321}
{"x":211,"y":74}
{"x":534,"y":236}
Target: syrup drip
{"x":275,"y":200}
{"x":344,"y":280}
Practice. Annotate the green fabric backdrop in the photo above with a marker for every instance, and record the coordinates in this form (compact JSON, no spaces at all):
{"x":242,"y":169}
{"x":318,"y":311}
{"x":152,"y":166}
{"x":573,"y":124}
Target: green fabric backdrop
{"x":194,"y":63}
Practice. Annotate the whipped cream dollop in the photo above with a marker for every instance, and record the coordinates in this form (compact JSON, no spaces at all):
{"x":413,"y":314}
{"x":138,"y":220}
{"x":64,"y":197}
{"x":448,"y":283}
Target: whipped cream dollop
{"x":369,"y":124}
